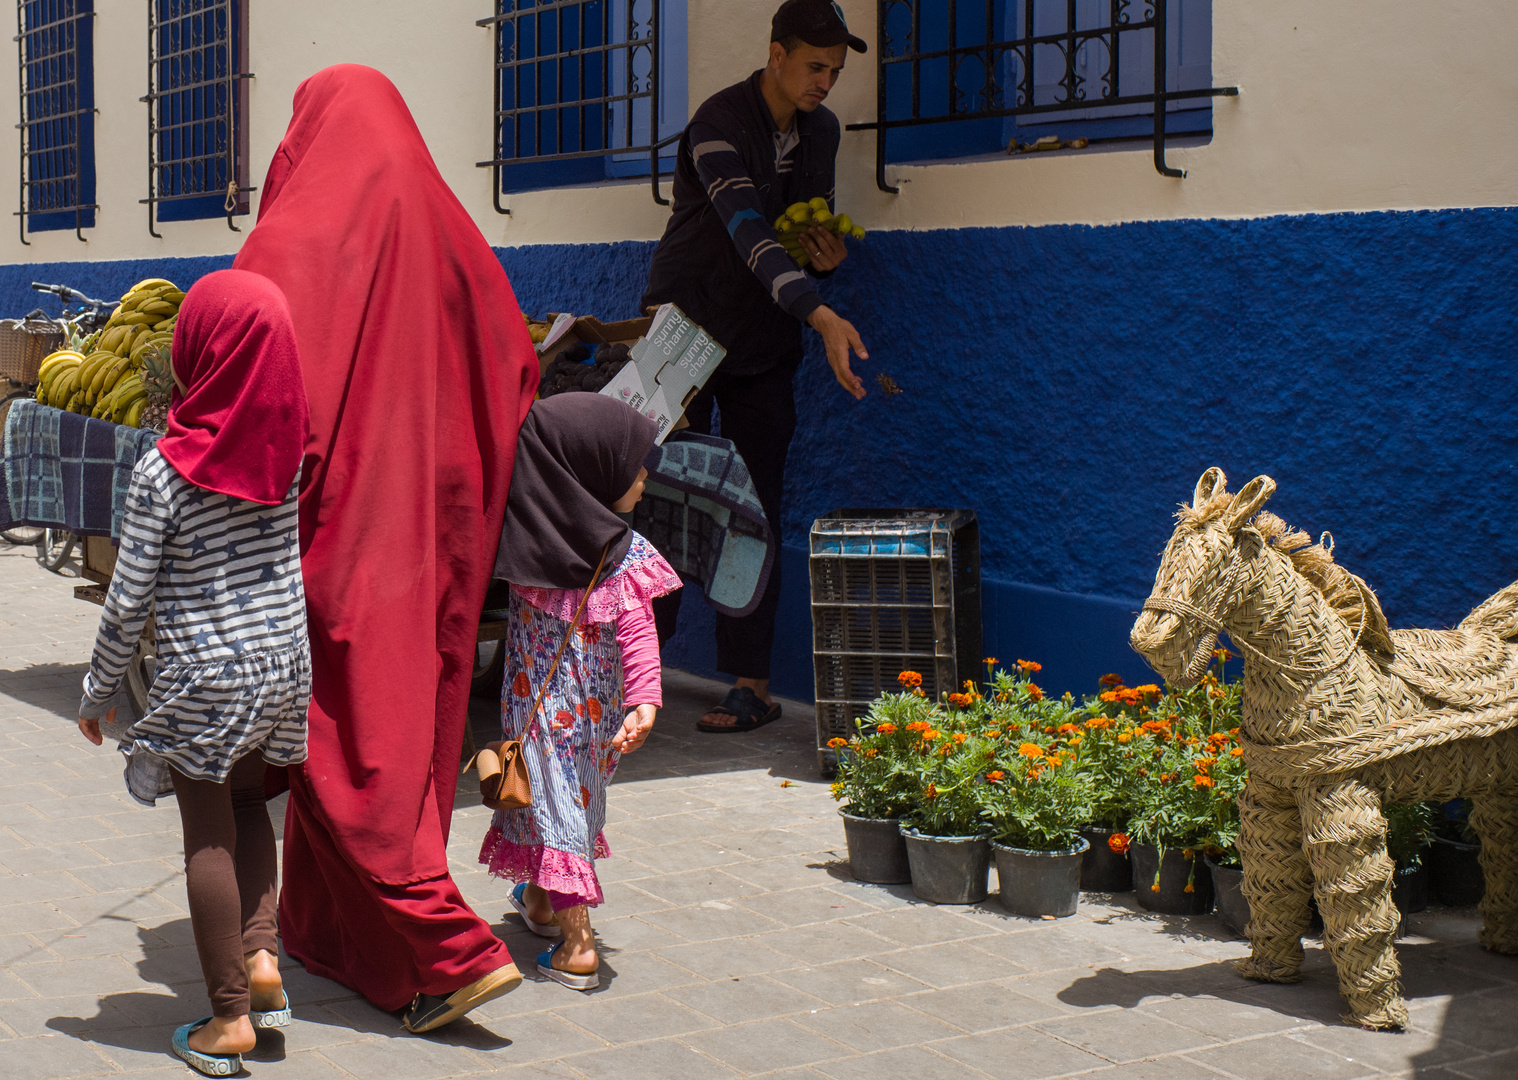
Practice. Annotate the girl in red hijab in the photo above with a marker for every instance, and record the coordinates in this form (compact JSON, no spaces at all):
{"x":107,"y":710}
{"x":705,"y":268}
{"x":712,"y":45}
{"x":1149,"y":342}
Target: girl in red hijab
{"x":419,"y":371}
{"x":209,"y":544}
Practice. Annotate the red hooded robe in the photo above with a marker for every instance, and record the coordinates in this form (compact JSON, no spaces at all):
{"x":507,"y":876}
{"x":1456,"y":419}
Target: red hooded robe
{"x":419,"y":372}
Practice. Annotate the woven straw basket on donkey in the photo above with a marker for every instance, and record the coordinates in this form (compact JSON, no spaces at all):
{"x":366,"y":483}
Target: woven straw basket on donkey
{"x":1341,"y":714}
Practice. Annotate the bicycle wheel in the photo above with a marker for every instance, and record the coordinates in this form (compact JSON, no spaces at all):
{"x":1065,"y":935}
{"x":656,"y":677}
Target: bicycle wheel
{"x":21,"y":535}
{"x":55,"y":547}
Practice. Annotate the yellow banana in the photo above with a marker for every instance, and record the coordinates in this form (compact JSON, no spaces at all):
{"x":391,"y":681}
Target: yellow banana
{"x":167,"y":324}
{"x":138,"y":318}
{"x":111,"y":338}
{"x":63,"y":388}
{"x":158,"y":307}
{"x":149,"y":283}
{"x":798,"y":212}
{"x":52,"y":360}
{"x":818,"y":203}
{"x":173,"y":296}
{"x":857,"y":232}
{"x":76,"y":399}
{"x":133,"y":416}
{"x":843,"y":224}
{"x":125,"y":402}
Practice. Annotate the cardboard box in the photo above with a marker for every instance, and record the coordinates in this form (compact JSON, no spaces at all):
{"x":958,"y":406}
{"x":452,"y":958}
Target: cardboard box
{"x":672,"y":358}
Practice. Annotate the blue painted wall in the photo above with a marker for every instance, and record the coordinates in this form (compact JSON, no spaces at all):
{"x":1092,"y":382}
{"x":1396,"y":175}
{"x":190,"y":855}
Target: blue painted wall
{"x":1070,"y":384}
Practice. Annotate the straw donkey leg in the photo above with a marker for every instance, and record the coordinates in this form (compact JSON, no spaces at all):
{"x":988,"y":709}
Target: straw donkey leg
{"x":1277,"y":882}
{"x":1495,"y":819}
{"x":1344,"y":834}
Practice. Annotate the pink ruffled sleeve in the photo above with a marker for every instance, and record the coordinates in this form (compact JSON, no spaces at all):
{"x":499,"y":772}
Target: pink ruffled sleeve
{"x":642,"y":576}
{"x":638,"y":639}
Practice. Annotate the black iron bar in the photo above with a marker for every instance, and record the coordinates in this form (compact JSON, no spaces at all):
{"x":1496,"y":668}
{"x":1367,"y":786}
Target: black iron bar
{"x":1160,"y":99}
{"x":49,"y":50}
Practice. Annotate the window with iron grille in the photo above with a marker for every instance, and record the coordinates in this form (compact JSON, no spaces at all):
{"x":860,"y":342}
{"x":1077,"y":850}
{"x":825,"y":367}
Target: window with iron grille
{"x":197,"y":101}
{"x":586,"y":91}
{"x":55,"y":39}
{"x":959,"y":78}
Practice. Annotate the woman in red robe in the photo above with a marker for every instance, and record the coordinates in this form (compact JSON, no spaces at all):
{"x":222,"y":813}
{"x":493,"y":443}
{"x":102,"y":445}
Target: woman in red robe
{"x":419,"y":371}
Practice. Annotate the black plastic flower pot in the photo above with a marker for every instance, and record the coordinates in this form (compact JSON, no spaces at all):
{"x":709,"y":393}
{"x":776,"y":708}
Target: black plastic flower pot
{"x":1183,"y":887}
{"x":877,"y":850}
{"x":1454,"y":872}
{"x":949,"y":869}
{"x":1410,"y":887}
{"x":1102,"y":869}
{"x":1228,"y":896}
{"x":1039,"y":882}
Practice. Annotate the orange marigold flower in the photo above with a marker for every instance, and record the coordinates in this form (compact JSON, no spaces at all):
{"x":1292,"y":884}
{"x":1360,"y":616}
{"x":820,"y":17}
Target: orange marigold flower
{"x":1236,"y":752}
{"x":929,"y":736}
{"x":1108,"y":696}
{"x":1222,"y":654}
{"x":1034,"y":693}
{"x":835,"y":743}
{"x":918,"y":725}
{"x":1234,"y":732}
{"x":1030,"y":666}
{"x":993,"y":733}
{"x":994,"y":775}
{"x":1099,"y":723}
{"x":1166,"y":777}
{"x":1147,"y":690}
{"x":959,"y":737}
{"x":1068,"y":729}
{"x":1031,"y":750}
{"x":909,"y":679}
{"x":870,"y":751}
{"x":1034,"y":774}
{"x":1216,"y":693}
{"x":1155,"y":887}
{"x":1186,"y":853}
{"x":1124,"y":737}
{"x":1118,"y":842}
{"x":1111,"y":679}
{"x":959,"y":701}
{"x":932,"y":791}
{"x":886,"y":729}
{"x":1075,"y":740}
{"x":988,"y":661}
{"x":1189,"y":887}
{"x":1200,"y":780}
{"x":1204,"y":763}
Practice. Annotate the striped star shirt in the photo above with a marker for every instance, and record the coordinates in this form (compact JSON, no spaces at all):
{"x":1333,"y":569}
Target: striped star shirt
{"x":221,"y":578}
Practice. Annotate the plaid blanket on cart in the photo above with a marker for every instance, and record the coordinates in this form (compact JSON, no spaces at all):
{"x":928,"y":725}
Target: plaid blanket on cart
{"x":702,"y":513}
{"x":66,"y":471}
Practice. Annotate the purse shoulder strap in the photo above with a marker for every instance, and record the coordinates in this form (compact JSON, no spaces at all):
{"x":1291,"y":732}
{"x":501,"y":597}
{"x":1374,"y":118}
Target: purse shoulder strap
{"x":554,"y":667}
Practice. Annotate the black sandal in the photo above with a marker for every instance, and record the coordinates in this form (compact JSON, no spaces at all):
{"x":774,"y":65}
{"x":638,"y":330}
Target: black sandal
{"x":747,"y":706}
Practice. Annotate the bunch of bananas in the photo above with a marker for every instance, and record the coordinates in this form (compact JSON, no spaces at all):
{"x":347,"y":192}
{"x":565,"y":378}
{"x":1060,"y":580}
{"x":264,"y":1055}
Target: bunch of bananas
{"x":537,"y":331}
{"x":799,"y":217}
{"x":103,"y":377}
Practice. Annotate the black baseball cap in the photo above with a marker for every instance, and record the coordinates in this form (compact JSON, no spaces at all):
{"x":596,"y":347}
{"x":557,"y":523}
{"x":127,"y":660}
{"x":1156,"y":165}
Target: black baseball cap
{"x":816,"y":22}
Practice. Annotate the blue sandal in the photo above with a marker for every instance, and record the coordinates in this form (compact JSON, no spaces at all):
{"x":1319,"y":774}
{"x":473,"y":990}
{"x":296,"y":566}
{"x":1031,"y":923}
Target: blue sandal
{"x":271,"y":1018}
{"x":566,"y":978}
{"x":549,"y":929}
{"x":208,"y":1064}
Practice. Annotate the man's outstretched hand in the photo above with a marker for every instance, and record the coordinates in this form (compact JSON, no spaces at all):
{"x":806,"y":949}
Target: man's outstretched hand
{"x":838,"y":337}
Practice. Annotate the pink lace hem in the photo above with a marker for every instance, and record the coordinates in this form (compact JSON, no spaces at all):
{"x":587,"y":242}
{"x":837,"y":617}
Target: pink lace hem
{"x":642,"y":576}
{"x":545,"y":867}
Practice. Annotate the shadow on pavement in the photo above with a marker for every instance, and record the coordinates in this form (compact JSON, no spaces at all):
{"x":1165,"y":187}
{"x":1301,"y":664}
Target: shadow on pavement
{"x":54,"y":687}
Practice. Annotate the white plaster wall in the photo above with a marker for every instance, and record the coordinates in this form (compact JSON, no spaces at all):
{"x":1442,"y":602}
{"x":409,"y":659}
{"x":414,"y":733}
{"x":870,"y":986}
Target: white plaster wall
{"x":1403,"y":104}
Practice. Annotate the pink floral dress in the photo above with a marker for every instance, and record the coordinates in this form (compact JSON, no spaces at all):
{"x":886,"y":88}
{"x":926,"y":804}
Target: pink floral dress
{"x":567,"y":746}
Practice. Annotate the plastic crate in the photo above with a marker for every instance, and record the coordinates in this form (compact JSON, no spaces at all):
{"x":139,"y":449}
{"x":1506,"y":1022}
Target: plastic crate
{"x":892,"y":591}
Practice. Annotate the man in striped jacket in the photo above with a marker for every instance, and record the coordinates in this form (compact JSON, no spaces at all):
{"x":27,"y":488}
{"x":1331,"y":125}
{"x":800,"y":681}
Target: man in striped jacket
{"x":749,"y":152}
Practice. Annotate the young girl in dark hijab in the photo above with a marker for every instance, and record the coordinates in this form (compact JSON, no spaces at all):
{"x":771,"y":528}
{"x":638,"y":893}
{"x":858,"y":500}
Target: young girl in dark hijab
{"x":579,"y":464}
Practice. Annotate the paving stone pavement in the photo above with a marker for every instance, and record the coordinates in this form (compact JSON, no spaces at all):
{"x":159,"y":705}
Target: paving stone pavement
{"x":735,"y":942}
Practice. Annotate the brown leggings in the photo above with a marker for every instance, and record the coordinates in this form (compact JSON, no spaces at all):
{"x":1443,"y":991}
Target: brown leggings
{"x":231,"y":867}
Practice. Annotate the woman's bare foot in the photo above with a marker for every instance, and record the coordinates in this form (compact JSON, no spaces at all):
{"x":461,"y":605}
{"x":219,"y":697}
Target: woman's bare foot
{"x":578,"y":953}
{"x":266,"y":989}
{"x":224,"y":1035}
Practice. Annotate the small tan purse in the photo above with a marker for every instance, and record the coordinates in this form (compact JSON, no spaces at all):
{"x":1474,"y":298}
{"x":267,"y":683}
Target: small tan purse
{"x":504,"y":783}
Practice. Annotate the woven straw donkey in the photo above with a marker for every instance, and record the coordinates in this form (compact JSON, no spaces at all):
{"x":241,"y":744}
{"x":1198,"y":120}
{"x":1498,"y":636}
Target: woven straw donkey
{"x":1340,"y":714}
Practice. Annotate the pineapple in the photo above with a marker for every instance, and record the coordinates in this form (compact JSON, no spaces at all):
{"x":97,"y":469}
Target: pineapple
{"x":158,"y":381}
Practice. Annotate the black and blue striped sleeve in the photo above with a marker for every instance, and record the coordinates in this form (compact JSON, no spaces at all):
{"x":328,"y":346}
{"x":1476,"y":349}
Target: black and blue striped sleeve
{"x":147,"y":521}
{"x":732,"y":193}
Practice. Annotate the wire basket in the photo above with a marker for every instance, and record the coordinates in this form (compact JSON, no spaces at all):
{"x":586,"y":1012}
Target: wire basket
{"x":892,"y":591}
{"x":24,"y":343}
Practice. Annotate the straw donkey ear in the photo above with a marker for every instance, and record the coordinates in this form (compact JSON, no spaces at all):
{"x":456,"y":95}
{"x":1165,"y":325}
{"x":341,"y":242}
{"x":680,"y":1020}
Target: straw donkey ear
{"x":1249,"y":500}
{"x":1212,"y":482}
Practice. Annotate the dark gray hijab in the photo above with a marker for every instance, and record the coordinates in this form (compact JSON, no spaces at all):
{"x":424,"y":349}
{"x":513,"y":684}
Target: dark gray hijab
{"x":576,"y":455}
